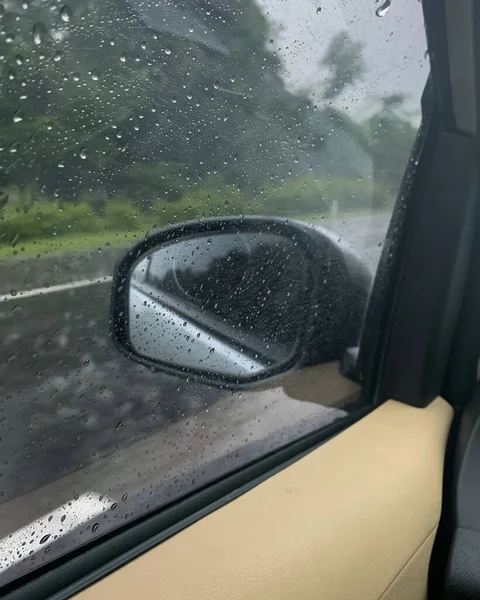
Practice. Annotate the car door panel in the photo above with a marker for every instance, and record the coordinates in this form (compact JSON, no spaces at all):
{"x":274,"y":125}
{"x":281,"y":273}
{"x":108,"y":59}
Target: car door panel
{"x":367,"y":533}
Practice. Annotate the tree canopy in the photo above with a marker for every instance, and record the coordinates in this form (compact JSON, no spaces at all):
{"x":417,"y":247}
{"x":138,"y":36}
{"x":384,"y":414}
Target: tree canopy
{"x":107,"y":101}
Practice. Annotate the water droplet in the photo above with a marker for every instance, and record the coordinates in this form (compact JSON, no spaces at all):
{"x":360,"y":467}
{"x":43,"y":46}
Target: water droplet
{"x":9,"y":38}
{"x":124,"y":497}
{"x":39,"y":216}
{"x":13,"y":147}
{"x":167,"y":50}
{"x":65,"y":13}
{"x":14,"y":240}
{"x":95,"y":74}
{"x":45,"y":538}
{"x":95,"y":527}
{"x":119,"y":425}
{"x":19,"y":60}
{"x":123,"y":57}
{"x":383,"y":9}
{"x":38,"y":32}
{"x":76,"y":77}
{"x":25,"y":5}
{"x":17,"y":117}
{"x":215,"y":85}
{"x":270,"y":42}
{"x":114,"y":506}
{"x":58,"y":56}
{"x":319,"y":10}
{"x":84,"y":153}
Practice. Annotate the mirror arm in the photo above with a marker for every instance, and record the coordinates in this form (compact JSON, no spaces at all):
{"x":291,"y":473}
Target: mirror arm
{"x":349,"y":365}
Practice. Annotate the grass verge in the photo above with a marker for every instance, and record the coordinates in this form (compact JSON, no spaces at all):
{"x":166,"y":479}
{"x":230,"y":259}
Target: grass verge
{"x":90,"y":242}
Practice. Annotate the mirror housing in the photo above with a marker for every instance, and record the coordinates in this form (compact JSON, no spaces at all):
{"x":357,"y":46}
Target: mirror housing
{"x":232,"y":301}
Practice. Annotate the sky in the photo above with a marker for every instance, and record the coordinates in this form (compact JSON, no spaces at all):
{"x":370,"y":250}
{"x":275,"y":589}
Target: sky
{"x":394,"y":48}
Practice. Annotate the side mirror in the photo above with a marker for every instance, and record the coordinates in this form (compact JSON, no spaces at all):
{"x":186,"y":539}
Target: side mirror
{"x":231,"y":301}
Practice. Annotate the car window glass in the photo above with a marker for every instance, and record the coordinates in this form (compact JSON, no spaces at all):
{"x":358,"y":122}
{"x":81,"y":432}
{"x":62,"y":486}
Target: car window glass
{"x":122,"y":116}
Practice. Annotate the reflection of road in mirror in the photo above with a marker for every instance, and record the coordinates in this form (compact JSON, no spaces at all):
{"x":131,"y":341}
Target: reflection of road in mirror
{"x":159,"y":332}
{"x":226,"y":304}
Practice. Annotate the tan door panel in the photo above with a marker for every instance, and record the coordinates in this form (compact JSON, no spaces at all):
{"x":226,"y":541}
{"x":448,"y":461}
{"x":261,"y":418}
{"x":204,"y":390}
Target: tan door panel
{"x":353,"y":519}
{"x":412,"y":581}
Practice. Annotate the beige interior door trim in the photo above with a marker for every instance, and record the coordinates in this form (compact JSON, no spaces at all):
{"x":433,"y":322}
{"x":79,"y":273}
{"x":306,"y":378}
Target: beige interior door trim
{"x":354,"y":519}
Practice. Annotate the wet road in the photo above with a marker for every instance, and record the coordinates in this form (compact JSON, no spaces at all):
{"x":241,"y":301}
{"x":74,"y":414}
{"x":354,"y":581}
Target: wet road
{"x":73,"y":409}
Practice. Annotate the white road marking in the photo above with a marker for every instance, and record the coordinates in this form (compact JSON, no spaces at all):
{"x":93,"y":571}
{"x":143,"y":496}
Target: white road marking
{"x":55,"y":288}
{"x":42,"y":532}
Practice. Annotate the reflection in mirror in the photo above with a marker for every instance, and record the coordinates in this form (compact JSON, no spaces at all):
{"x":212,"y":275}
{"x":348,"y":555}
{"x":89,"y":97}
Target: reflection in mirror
{"x":228,"y":304}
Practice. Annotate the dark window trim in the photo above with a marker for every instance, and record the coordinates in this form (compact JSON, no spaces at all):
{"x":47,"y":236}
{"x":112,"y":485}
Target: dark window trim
{"x":422,"y":274}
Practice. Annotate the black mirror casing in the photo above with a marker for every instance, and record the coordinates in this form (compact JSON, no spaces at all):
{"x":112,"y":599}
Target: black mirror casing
{"x":329,"y":308}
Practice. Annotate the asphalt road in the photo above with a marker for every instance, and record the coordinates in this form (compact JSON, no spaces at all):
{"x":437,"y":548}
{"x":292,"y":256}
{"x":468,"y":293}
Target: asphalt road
{"x":110,"y":432}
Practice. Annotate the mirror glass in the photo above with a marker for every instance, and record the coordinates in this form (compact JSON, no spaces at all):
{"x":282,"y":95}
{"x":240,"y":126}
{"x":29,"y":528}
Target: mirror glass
{"x":232,"y":304}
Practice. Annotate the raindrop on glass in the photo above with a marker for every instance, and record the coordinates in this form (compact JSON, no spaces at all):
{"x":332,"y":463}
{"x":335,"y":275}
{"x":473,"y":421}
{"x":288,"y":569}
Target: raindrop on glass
{"x":17,"y":117}
{"x":38,"y":32}
{"x":95,"y":74}
{"x":65,"y":13}
{"x":319,"y":10}
{"x":383,"y":9}
{"x":83,"y":153}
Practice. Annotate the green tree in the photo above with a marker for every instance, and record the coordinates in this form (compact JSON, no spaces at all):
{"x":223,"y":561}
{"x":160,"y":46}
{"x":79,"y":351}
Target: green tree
{"x":344,"y":59}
